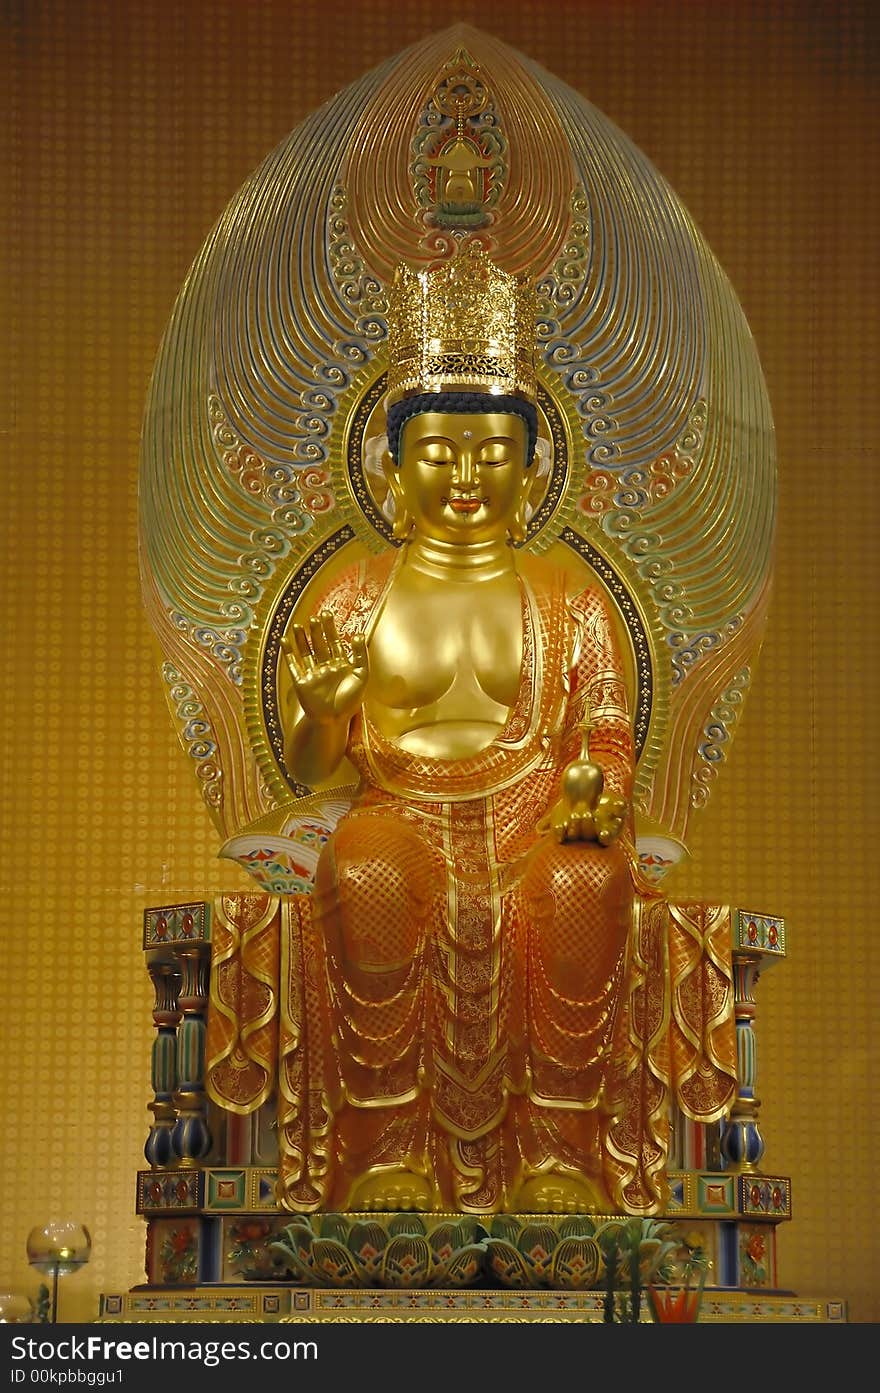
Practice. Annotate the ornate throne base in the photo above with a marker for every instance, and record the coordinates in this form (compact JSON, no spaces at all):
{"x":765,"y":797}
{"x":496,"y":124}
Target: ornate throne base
{"x":208,"y":1259}
{"x":273,"y":1304}
{"x":210,"y":1222}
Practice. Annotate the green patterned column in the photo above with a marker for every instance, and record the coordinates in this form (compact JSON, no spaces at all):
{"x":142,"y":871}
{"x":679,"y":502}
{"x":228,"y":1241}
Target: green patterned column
{"x":759,"y":939}
{"x":178,"y":937}
{"x":192,"y":1137}
{"x":165,"y":976}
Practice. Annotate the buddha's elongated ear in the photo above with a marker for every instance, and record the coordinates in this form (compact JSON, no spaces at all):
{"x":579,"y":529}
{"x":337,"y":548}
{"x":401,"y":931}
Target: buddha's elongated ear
{"x":401,"y":522}
{"x":516,"y":532}
{"x":538,"y":476}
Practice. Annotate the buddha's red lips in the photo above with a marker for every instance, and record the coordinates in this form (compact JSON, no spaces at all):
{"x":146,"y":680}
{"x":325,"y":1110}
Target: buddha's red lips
{"x":465,"y":505}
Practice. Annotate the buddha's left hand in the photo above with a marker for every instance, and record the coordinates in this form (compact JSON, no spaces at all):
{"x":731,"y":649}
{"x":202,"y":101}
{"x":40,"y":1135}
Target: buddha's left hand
{"x":578,"y":822}
{"x":609,"y":815}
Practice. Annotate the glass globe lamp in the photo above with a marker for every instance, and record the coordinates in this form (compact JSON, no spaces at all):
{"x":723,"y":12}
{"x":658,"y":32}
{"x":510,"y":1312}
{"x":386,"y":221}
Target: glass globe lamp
{"x":16,"y":1308}
{"x":58,"y":1248}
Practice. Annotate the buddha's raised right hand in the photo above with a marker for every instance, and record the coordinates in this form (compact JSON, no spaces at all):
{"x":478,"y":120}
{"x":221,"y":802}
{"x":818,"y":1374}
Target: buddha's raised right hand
{"x":329,"y":676}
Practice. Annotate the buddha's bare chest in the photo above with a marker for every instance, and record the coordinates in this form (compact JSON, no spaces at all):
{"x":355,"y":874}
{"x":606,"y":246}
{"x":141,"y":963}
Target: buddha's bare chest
{"x":446,"y":653}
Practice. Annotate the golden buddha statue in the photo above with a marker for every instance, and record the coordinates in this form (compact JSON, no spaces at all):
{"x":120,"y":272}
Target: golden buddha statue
{"x":457,"y":573}
{"x":474,"y":951}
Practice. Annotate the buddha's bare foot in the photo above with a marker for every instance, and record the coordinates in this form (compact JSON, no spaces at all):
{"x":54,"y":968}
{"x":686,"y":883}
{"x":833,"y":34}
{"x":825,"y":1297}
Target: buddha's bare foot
{"x":557,"y":1193}
{"x":391,"y":1191}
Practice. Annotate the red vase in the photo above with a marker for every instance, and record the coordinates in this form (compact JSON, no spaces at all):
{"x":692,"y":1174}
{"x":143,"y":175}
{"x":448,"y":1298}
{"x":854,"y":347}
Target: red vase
{"x":675,"y":1305}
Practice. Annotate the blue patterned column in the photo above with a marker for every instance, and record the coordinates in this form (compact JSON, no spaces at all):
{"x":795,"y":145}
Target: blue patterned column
{"x":179,"y":935}
{"x":192,"y":1137}
{"x":165,"y":976}
{"x":759,"y":939}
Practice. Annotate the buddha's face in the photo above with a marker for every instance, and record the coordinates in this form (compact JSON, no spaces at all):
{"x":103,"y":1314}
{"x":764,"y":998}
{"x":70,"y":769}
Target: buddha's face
{"x":462,"y":478}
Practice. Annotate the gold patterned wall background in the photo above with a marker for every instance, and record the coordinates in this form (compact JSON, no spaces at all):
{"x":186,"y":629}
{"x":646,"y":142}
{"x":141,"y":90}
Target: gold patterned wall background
{"x":131,"y":125}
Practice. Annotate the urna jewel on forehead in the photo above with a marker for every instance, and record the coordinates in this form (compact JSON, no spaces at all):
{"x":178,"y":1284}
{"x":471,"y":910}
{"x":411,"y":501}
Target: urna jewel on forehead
{"x":466,"y":326}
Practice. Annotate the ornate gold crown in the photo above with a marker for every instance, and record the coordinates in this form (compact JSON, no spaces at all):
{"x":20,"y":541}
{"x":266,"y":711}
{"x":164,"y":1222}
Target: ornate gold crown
{"x":467,"y":325}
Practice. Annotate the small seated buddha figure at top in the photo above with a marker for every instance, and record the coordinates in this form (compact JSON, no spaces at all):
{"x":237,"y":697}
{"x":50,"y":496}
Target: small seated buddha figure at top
{"x":473,"y":908}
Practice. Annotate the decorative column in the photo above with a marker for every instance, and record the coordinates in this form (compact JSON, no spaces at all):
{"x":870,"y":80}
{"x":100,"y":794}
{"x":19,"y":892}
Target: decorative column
{"x":758,"y":941}
{"x":191,"y":1135}
{"x":178,"y":953}
{"x":165,"y":976}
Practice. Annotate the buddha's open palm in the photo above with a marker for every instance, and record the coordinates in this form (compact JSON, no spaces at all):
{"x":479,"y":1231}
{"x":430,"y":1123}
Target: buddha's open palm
{"x":329,"y":676}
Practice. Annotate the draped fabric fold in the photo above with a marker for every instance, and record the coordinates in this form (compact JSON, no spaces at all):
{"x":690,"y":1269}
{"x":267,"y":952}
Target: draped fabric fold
{"x":675,"y":1042}
{"x":241,"y":1051}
